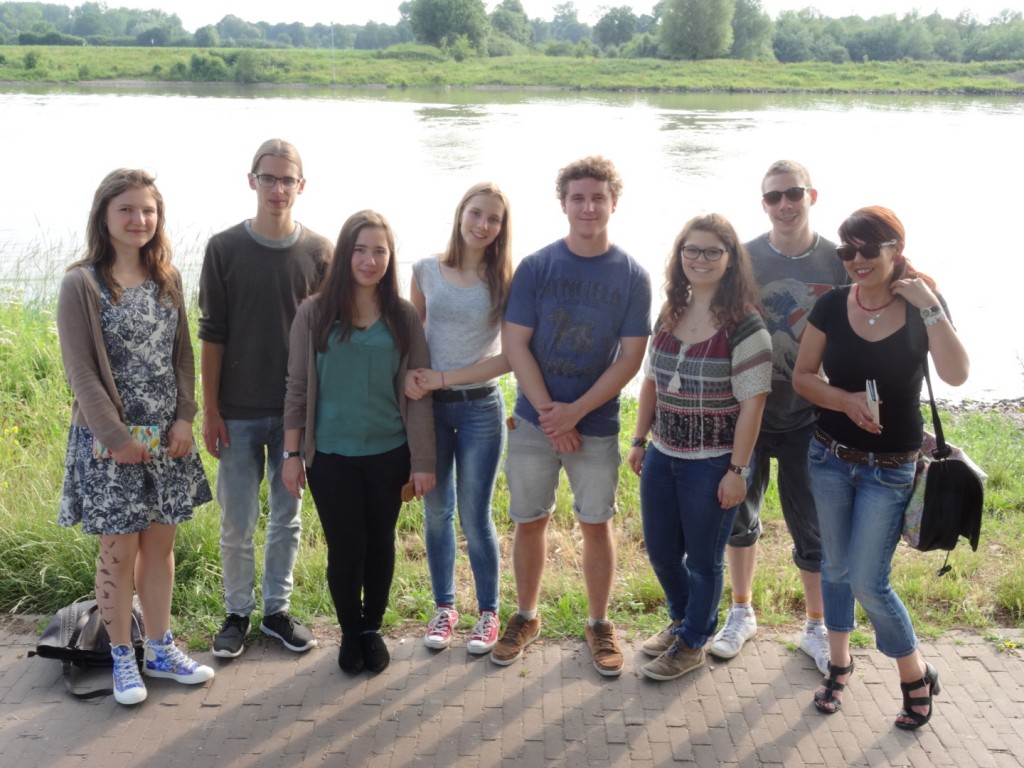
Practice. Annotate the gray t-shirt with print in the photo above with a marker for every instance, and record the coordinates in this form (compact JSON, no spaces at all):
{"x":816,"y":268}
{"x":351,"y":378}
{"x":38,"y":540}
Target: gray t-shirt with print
{"x":789,"y":289}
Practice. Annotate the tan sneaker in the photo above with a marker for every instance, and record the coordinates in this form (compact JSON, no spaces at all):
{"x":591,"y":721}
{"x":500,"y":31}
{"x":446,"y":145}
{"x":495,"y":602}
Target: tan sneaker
{"x":675,"y":662}
{"x":604,"y":648}
{"x":657,"y":644}
{"x":519,"y":633}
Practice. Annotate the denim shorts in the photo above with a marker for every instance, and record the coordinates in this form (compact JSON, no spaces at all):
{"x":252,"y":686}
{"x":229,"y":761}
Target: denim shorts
{"x":532,"y":467}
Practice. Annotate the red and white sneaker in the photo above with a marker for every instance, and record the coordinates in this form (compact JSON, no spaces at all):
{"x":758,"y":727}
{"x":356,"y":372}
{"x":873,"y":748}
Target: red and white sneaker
{"x":441,"y":628}
{"x":484,"y":634}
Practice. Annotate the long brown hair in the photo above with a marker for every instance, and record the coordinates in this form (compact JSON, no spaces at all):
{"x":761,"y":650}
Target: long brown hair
{"x":736,"y":295}
{"x":497,"y":256}
{"x":99,"y":250}
{"x":337,"y":295}
{"x":875,"y":224}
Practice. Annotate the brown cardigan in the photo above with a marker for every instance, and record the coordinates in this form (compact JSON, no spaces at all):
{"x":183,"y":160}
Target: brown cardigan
{"x":97,"y":404}
{"x":301,"y":387}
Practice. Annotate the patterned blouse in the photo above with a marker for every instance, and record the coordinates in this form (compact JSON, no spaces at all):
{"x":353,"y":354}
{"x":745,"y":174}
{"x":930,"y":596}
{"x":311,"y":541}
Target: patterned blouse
{"x":699,"y":387}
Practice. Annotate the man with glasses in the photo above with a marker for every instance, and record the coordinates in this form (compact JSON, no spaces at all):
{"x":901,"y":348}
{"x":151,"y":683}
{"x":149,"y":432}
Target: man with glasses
{"x":794,"y":266}
{"x":255,"y":274}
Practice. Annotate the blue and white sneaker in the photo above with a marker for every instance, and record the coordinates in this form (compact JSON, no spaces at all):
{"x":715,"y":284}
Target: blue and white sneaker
{"x":128,"y":685}
{"x":163,"y":659}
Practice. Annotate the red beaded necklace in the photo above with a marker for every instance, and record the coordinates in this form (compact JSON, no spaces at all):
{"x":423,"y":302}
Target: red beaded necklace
{"x":877,"y":310}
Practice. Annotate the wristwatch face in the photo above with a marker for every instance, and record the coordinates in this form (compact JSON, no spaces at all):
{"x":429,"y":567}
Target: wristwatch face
{"x":289,"y":454}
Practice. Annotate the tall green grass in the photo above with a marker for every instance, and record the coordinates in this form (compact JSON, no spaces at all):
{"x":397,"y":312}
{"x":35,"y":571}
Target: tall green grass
{"x":44,"y":566}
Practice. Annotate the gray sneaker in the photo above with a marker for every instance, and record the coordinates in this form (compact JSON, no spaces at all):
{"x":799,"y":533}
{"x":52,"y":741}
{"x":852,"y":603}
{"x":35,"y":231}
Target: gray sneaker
{"x":229,"y":642}
{"x":655,"y":645}
{"x":289,"y":630}
{"x":675,"y":662}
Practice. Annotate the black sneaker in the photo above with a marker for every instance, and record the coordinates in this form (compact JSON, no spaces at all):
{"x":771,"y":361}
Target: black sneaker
{"x":289,"y":630}
{"x":375,"y":653}
{"x":230,"y":641}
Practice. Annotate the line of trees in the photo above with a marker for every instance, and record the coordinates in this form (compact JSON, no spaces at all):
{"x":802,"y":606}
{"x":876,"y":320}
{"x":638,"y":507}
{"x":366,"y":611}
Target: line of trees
{"x":675,"y":29}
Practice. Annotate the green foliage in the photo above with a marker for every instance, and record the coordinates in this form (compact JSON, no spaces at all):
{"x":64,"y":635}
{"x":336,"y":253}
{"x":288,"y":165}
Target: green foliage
{"x":510,"y":20}
{"x":249,"y":67}
{"x":30,"y":60}
{"x":696,"y":29}
{"x":204,"y":68}
{"x":412,"y":52}
{"x":751,"y":32}
{"x":616,"y":27}
{"x":438,"y":22}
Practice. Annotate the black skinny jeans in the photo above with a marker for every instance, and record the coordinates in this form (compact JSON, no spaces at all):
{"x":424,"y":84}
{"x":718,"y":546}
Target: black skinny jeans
{"x":358,"y":499}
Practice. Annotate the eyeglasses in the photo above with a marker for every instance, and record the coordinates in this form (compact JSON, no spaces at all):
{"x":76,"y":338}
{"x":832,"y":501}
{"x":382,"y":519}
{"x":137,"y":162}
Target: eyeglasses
{"x":692,"y":252}
{"x":847,"y":252}
{"x":793,"y":194}
{"x":268,"y":180}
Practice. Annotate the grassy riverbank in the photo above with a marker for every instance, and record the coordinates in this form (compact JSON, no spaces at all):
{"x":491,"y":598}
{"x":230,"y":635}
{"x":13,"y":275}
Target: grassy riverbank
{"x":422,"y":66}
{"x":45,"y":566}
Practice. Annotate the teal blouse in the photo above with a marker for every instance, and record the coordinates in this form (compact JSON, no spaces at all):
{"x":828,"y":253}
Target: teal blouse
{"x":357,"y":411}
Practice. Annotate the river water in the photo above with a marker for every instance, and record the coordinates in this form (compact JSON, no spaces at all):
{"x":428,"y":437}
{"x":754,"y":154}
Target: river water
{"x":951,"y":168}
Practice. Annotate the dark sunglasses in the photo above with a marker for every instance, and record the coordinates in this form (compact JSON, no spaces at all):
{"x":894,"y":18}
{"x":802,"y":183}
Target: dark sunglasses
{"x":793,"y":194}
{"x":848,"y":252}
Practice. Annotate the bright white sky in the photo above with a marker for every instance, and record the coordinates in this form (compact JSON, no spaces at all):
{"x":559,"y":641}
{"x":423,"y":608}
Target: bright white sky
{"x":198,"y":13}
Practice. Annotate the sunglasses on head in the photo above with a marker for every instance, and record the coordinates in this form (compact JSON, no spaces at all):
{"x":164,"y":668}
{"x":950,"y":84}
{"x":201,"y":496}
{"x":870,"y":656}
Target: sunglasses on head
{"x":793,"y":194}
{"x":847,"y":252}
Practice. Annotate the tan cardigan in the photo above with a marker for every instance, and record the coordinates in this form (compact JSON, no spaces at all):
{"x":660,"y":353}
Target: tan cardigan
{"x":301,"y":387}
{"x":97,"y":404}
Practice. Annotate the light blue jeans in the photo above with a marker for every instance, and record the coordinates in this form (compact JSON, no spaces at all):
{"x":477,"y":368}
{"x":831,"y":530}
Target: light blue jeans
{"x":255,"y":443}
{"x":860,"y":514}
{"x":685,"y":532}
{"x":470,"y":438}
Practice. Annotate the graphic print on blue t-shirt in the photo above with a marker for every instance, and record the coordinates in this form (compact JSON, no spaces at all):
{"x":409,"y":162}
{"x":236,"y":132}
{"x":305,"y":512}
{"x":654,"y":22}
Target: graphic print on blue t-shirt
{"x":578,"y":308}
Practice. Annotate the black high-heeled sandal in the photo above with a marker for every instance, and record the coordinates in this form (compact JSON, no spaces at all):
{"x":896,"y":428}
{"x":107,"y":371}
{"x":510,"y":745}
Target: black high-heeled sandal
{"x":931,"y":681}
{"x":826,"y":701}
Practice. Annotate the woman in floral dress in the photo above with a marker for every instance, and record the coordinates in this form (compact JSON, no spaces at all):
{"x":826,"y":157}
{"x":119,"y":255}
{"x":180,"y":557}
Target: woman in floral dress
{"x":132,"y":471}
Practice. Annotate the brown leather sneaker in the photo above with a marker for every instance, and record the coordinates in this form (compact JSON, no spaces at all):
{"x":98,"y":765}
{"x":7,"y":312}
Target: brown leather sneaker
{"x":675,"y":662}
{"x":519,"y":633}
{"x":605,"y":648}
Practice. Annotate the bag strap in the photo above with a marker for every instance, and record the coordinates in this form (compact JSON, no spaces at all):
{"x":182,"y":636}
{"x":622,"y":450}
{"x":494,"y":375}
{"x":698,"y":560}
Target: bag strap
{"x":942,"y":450}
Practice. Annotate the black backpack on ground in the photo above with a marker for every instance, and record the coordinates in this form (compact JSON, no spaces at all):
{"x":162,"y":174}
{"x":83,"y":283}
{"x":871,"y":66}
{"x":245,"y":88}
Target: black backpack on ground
{"x":77,"y":638}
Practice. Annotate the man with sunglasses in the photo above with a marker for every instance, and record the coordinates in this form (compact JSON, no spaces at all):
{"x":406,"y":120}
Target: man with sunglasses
{"x":255,"y":274}
{"x":794,"y":266}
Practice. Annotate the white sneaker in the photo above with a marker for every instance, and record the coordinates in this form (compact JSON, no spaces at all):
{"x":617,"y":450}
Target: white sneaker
{"x":739,"y":627}
{"x":814,"y":642}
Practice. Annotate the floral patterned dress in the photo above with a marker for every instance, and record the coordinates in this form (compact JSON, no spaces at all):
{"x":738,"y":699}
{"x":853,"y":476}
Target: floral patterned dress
{"x":111,"y":498}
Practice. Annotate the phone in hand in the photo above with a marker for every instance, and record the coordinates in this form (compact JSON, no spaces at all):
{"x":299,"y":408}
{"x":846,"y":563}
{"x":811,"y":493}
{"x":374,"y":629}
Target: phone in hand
{"x":871,"y":390}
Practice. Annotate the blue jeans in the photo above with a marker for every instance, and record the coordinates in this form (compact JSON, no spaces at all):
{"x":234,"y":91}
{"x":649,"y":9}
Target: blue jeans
{"x":470,"y":437}
{"x":686,"y":530}
{"x":860,"y":512}
{"x":255,"y":442}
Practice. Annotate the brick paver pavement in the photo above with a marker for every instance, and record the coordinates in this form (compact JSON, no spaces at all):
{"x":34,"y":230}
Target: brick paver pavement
{"x":274,"y":708}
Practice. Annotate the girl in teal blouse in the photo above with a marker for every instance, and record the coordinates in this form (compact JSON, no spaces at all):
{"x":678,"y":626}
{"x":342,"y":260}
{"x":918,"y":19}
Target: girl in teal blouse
{"x":351,"y":432}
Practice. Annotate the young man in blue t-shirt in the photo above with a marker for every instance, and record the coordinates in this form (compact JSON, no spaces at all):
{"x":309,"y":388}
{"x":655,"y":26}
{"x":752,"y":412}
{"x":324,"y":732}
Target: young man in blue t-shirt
{"x":575,"y":331}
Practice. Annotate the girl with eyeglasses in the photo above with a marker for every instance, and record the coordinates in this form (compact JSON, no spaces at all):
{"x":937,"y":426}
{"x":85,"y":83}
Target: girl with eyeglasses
{"x":872,"y":335}
{"x":351,"y":432}
{"x":461,"y":296}
{"x":707,"y":376}
{"x":132,"y":473}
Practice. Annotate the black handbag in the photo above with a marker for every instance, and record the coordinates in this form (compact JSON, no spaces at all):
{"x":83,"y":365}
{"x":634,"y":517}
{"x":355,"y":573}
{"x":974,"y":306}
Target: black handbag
{"x":948,"y":496}
{"x":77,"y":637}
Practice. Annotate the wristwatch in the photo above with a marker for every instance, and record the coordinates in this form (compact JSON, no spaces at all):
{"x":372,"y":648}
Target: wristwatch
{"x":743,"y":472}
{"x":639,"y":442}
{"x":290,"y":454}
